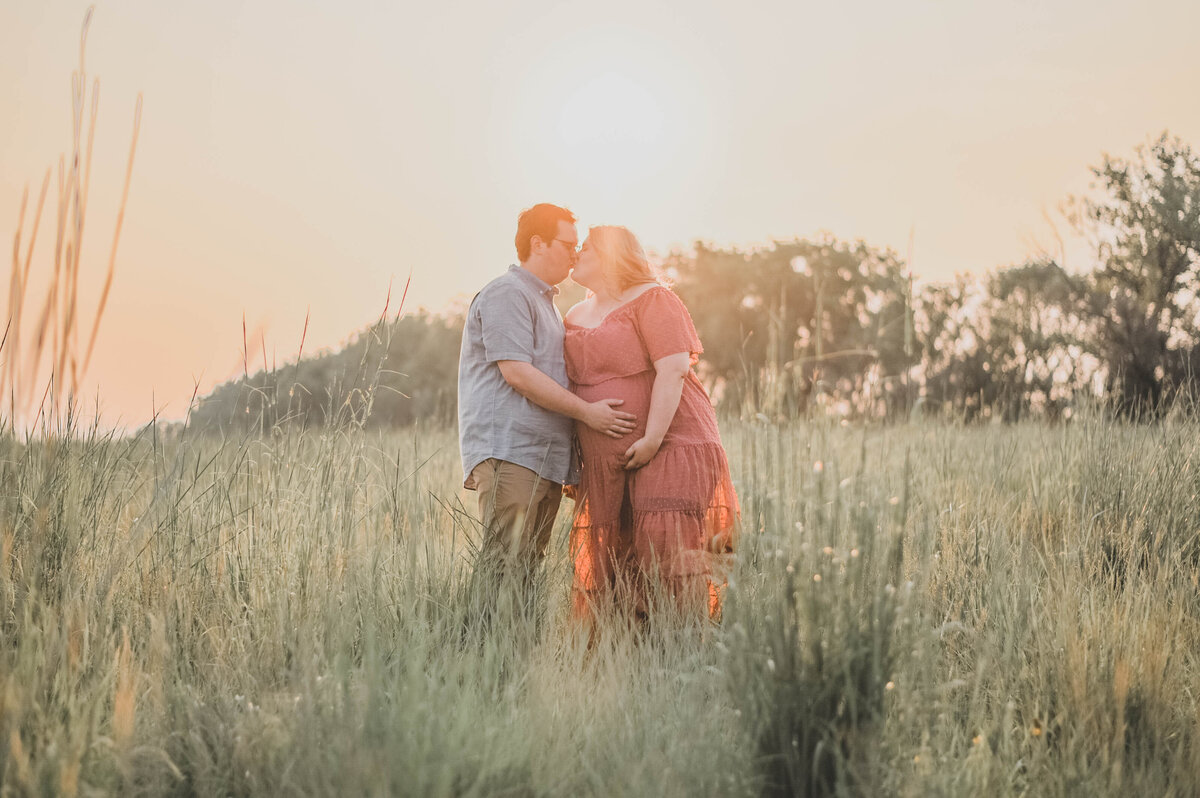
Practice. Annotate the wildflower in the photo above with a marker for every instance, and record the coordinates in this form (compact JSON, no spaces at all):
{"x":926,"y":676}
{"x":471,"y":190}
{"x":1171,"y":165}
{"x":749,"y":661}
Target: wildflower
{"x":827,"y":550}
{"x":816,"y":577}
{"x":890,"y":686}
{"x":853,"y":552}
{"x":818,"y":467}
{"x":977,"y":739}
{"x":1036,"y":730}
{"x":894,"y":500}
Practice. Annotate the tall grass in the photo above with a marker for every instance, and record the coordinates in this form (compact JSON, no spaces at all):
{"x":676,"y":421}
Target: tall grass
{"x":924,"y":609}
{"x":916,"y":610}
{"x":44,"y":365}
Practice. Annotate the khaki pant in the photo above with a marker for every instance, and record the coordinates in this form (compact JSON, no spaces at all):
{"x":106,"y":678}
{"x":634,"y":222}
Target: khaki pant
{"x":517,"y":508}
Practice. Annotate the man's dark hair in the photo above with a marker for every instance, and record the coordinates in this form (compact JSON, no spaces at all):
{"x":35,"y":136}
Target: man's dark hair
{"x":541,"y":220}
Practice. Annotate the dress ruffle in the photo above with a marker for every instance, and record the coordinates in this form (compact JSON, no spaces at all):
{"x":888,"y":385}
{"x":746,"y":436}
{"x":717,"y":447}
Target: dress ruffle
{"x":678,"y":521}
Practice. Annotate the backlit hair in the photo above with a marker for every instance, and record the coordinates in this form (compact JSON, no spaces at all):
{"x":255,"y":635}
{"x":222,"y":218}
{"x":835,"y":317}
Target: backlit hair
{"x":541,"y":220}
{"x":622,"y":257}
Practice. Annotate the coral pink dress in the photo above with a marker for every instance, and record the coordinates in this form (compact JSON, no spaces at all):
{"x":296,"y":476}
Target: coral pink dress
{"x":676,"y":517}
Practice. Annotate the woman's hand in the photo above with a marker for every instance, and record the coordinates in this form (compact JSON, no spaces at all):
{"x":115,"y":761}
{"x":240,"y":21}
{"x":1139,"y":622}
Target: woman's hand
{"x":641,"y":452}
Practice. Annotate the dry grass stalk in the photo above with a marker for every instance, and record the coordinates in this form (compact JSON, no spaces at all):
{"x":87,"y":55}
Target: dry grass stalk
{"x":112,"y":255}
{"x":303,"y":334}
{"x":245,"y":349}
{"x":124,"y":694}
{"x":68,"y":778}
{"x":18,"y":756}
{"x":55,"y":338}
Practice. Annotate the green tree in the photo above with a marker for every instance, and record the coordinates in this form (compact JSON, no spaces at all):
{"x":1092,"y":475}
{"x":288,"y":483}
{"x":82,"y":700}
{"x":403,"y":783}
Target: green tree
{"x":955,"y":352}
{"x":395,"y":373}
{"x":797,"y":320}
{"x":1145,"y":223}
{"x":1038,"y":338}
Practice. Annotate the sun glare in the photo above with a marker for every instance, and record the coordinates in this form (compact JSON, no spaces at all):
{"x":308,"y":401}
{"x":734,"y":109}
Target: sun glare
{"x":610,"y":133}
{"x":611,"y":128}
{"x":613,"y":118}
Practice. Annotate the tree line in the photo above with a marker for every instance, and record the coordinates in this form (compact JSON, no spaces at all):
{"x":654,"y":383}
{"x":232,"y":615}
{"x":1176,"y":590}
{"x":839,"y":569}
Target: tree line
{"x":835,"y":326}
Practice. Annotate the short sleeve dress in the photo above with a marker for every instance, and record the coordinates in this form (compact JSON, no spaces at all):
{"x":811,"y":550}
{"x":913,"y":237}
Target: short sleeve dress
{"x":676,"y":517}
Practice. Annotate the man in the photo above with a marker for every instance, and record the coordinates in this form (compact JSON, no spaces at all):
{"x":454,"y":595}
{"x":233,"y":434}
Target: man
{"x":515,"y":413}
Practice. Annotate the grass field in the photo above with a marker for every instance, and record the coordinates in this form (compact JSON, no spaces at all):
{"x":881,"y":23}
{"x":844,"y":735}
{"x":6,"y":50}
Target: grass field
{"x":921,"y":609}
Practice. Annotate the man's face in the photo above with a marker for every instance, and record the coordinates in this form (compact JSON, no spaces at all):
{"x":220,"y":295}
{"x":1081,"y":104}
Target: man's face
{"x":560,"y":253}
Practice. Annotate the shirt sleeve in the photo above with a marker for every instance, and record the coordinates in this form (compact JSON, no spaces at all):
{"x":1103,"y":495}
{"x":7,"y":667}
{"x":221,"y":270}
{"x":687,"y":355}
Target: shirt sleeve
{"x":665,"y":326}
{"x":506,"y":321}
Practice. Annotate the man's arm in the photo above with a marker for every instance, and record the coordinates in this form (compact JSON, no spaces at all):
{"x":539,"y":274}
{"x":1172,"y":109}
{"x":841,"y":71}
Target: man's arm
{"x":543,"y":391}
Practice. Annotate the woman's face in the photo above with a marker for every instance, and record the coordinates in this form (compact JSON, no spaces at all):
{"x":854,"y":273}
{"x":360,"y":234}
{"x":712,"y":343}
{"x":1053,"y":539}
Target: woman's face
{"x":588,"y":271}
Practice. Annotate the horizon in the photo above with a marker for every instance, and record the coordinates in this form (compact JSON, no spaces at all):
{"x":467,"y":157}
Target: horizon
{"x":270,"y":182}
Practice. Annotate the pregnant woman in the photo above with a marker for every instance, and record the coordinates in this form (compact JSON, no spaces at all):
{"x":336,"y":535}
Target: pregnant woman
{"x":655,"y":517}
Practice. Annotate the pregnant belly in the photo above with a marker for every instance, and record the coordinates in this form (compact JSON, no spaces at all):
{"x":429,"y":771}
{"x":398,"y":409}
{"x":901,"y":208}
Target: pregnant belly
{"x":635,"y":391}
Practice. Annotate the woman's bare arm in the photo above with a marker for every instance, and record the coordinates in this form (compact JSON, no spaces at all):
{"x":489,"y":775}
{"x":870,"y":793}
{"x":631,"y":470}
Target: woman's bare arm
{"x":669,"y":374}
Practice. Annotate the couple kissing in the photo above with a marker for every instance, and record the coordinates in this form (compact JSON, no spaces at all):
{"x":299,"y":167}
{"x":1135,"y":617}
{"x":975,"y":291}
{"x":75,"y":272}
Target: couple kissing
{"x":602,"y":404}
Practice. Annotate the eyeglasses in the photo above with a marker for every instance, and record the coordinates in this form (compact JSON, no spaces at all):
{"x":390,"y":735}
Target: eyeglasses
{"x":572,"y":248}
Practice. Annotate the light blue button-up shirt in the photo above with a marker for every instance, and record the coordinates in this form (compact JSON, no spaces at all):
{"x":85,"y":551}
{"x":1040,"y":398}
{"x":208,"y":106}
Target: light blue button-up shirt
{"x":512,"y":318}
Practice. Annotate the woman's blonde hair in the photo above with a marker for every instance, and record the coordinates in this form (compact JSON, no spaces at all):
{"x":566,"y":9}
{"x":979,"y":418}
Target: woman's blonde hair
{"x":622,"y":257}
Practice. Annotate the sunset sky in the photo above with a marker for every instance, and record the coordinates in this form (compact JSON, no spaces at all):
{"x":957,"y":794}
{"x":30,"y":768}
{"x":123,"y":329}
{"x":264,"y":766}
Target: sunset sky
{"x":300,"y":154}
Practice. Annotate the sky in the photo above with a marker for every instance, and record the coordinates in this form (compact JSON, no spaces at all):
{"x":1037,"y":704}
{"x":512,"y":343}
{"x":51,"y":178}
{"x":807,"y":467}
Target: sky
{"x":297,"y":158}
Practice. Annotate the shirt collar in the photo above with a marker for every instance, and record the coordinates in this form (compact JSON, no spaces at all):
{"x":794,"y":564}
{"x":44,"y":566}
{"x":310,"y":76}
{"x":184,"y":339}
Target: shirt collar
{"x":534,"y":281}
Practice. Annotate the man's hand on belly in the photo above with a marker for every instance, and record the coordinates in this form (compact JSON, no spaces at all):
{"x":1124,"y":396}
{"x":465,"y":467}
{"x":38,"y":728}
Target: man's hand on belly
{"x":603,"y":416}
{"x":543,"y":391}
